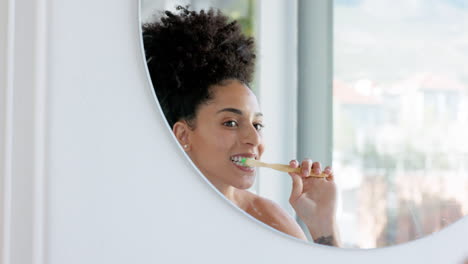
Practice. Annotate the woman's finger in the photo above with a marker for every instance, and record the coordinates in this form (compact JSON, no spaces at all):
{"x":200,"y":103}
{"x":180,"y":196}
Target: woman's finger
{"x":306,"y":166}
{"x":316,"y":168}
{"x":293,"y":164}
{"x":328,"y":170}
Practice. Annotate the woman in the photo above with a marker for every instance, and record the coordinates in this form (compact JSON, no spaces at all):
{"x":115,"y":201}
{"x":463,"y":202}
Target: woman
{"x":201,"y":65}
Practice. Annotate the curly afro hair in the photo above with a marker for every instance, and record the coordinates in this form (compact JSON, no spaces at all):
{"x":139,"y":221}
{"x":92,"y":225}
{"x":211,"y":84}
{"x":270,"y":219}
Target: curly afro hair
{"x":188,"y":51}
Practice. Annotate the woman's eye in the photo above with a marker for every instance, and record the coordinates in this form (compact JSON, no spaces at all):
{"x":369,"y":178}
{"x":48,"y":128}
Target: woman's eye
{"x":259,"y":126}
{"x":230,"y":123}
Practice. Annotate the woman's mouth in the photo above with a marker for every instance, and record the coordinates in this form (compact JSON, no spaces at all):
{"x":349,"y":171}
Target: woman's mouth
{"x":237,"y":161}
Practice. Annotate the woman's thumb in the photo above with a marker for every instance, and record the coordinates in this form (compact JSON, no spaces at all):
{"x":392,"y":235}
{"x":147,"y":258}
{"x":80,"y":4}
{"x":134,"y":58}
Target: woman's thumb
{"x":296,"y":183}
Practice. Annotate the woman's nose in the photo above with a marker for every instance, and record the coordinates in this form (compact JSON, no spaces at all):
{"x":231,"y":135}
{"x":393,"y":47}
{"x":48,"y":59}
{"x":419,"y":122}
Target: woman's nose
{"x":251,"y":136}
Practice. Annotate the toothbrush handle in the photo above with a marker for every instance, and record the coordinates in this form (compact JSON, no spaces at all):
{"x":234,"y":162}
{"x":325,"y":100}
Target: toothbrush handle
{"x":281,"y":167}
{"x":286,"y":168}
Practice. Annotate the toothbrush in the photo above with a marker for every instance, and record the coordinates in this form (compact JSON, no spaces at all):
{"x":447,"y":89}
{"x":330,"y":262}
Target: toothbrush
{"x":279,"y":167}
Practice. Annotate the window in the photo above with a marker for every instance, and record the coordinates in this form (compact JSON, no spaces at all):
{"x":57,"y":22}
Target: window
{"x":400,"y":116}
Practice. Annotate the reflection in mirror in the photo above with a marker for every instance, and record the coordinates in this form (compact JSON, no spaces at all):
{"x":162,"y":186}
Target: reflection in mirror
{"x":388,"y":187}
{"x":202,"y":65}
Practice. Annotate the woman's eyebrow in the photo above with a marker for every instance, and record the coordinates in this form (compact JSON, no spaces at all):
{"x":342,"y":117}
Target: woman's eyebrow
{"x":232,"y":110}
{"x":236,"y":111}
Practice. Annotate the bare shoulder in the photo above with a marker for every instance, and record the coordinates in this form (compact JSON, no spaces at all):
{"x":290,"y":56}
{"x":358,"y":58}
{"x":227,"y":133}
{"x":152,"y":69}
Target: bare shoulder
{"x":274,"y":215}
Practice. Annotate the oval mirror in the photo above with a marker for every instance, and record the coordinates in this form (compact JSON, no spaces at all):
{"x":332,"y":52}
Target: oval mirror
{"x":400,"y":111}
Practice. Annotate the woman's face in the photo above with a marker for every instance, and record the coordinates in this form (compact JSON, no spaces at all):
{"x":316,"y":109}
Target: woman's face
{"x":228,"y":126}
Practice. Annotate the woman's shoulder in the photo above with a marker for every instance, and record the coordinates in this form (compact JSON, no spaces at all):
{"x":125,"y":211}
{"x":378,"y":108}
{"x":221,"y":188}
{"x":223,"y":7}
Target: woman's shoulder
{"x":273,"y":215}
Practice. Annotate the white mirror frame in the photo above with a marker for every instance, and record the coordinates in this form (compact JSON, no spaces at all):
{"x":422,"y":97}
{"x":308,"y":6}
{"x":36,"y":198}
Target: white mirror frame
{"x":90,"y":172}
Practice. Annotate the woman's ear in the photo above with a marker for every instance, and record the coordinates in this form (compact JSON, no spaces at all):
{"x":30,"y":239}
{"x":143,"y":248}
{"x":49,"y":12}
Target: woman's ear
{"x":181,"y":131}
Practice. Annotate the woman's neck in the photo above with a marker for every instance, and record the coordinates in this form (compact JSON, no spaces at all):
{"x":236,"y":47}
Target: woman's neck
{"x":229,"y":192}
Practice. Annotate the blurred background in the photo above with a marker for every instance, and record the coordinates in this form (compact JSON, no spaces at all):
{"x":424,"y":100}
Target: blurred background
{"x":399,"y":107}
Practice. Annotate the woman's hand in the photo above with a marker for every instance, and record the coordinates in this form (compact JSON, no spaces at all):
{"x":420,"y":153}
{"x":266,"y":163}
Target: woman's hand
{"x":314,"y":200}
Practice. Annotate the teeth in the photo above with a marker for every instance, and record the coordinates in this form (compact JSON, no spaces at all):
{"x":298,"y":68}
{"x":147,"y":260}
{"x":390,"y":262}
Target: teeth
{"x":238,"y":161}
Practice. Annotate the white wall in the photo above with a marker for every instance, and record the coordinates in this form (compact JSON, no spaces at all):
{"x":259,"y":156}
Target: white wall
{"x":3,"y":114}
{"x":97,"y":176}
